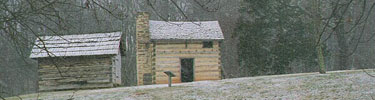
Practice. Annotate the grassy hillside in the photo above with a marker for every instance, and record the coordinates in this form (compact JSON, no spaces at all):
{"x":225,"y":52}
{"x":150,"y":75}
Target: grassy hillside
{"x":353,"y":84}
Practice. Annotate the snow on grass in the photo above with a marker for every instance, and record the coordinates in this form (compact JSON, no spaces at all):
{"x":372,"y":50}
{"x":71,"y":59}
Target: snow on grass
{"x":354,"y":84}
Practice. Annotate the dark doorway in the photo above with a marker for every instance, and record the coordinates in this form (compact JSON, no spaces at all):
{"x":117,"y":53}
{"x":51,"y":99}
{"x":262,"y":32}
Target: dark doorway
{"x":187,"y":70}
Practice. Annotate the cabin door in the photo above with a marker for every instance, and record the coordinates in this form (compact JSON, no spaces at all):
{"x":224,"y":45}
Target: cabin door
{"x":187,"y":70}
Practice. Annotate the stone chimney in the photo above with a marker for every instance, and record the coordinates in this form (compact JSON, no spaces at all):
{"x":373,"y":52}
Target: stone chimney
{"x":142,"y":27}
{"x":143,"y":49}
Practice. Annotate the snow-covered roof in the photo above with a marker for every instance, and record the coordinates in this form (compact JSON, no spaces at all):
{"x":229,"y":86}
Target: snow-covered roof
{"x":203,"y":30}
{"x":77,"y":45}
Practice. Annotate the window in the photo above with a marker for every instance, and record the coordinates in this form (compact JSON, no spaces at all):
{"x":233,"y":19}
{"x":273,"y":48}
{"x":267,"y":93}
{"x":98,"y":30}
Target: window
{"x":207,"y":44}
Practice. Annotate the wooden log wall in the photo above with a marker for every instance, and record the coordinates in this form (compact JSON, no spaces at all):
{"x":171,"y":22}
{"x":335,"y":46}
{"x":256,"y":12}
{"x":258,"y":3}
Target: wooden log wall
{"x":207,"y":64}
{"x":116,"y":69}
{"x":78,"y":73}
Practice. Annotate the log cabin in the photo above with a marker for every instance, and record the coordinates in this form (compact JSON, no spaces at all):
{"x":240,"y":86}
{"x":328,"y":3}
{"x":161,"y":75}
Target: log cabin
{"x":190,"y":50}
{"x":78,"y":61}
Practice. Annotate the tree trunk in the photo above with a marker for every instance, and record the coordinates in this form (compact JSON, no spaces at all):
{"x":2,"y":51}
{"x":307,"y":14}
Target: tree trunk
{"x":342,"y":60}
{"x":322,"y":67}
{"x":317,"y":23}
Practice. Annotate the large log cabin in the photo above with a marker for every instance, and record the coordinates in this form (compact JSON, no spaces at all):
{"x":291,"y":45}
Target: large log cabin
{"x":190,"y":50}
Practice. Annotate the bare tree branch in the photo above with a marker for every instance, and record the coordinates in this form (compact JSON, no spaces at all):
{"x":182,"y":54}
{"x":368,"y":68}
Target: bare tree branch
{"x":336,"y":10}
{"x":204,"y":6}
{"x":107,"y":10}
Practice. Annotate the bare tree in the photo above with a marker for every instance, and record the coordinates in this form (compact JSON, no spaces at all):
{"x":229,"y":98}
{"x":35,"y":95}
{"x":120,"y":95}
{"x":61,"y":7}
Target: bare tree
{"x":343,"y":20}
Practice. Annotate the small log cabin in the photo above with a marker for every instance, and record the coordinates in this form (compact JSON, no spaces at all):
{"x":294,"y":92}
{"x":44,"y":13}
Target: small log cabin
{"x":78,"y":61}
{"x":188,"y":49}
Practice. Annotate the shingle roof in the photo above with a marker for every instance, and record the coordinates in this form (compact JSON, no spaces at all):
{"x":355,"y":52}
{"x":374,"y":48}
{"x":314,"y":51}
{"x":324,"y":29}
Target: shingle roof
{"x":204,"y":30}
{"x":77,"y":45}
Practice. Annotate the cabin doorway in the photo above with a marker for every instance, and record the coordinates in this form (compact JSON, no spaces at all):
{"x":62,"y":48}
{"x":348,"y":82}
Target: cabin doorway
{"x":187,"y":70}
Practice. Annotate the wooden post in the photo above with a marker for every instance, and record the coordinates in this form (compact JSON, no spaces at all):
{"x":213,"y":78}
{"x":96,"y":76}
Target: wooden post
{"x":170,"y":75}
{"x":169,"y":81}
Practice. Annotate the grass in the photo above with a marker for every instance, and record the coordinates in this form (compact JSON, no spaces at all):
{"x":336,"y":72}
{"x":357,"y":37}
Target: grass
{"x":333,"y":85}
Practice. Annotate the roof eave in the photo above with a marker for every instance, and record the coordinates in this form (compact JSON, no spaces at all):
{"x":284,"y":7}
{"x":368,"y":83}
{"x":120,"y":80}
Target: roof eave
{"x":176,"y":40}
{"x":69,"y":56}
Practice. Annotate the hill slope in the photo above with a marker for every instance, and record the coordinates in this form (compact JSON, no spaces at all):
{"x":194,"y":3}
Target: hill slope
{"x":353,"y":84}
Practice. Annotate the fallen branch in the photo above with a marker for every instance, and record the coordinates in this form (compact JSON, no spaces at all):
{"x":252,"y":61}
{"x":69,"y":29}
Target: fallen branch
{"x":368,"y":73}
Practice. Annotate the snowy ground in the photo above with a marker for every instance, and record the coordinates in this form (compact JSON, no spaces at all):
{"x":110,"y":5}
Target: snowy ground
{"x":353,"y":84}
